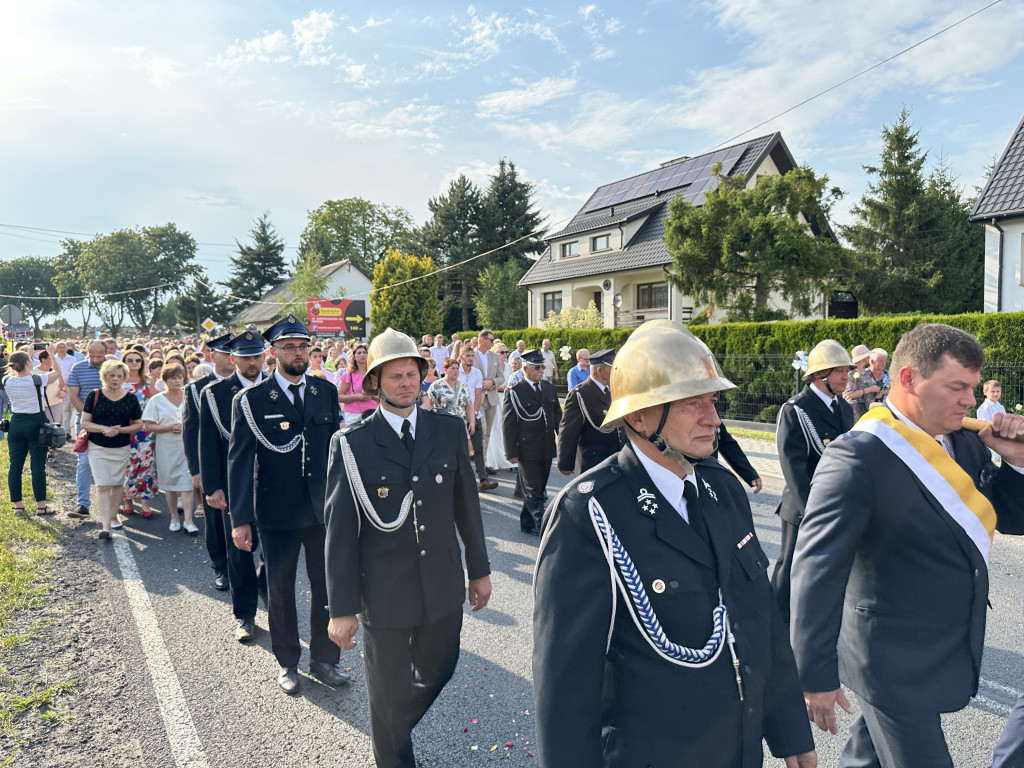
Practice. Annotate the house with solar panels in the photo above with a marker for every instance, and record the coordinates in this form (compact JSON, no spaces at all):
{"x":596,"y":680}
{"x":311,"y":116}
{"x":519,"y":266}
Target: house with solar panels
{"x":1000,"y":207}
{"x":613,"y":252}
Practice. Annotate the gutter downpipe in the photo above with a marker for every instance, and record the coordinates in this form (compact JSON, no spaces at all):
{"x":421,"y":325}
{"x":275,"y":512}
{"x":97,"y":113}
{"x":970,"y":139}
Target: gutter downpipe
{"x":999,"y":271}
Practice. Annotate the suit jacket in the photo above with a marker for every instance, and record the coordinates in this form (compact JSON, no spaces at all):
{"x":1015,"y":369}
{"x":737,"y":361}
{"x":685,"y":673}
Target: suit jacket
{"x":491,"y":368}
{"x":216,"y":397}
{"x":627,"y":706}
{"x":413,"y":575}
{"x":190,"y":421}
{"x":730,"y":451}
{"x":531,"y":440}
{"x":799,"y":454}
{"x":580,"y":444}
{"x":281,"y":490}
{"x":889,"y":593}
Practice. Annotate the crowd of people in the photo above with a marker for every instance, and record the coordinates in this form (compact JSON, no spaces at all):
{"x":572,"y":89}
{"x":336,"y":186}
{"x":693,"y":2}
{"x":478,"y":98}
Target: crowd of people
{"x":653,"y":605}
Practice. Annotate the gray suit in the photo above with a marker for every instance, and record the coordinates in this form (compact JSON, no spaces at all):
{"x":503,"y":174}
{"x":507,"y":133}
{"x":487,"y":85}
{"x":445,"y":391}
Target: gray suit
{"x":889,"y":594}
{"x":491,"y":368}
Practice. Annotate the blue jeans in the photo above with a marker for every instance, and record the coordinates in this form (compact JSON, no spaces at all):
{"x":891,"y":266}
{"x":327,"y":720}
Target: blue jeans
{"x":83,"y":475}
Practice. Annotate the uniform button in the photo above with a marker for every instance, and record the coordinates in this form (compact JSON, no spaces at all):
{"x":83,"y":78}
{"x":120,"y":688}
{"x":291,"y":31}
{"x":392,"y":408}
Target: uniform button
{"x":419,"y":502}
{"x":415,"y":478}
{"x":423,"y":527}
{"x":746,"y":669}
{"x":382,"y":477}
{"x":976,"y":573}
{"x":423,"y":553}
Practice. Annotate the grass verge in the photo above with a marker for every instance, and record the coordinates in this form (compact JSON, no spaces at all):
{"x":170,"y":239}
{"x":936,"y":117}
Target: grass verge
{"x":755,"y":434}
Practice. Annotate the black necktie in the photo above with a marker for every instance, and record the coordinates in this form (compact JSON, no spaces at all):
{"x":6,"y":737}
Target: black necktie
{"x":693,"y":511}
{"x":834,"y":404}
{"x":296,"y":390}
{"x":536,"y":388}
{"x":407,"y":440}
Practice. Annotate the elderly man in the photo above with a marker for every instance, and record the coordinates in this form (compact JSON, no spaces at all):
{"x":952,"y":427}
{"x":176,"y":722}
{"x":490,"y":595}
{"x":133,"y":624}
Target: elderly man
{"x":492,"y":371}
{"x":579,"y":372}
{"x":656,"y":638}
{"x":550,"y":364}
{"x":84,"y":378}
{"x":890,"y":577}
{"x":400,"y":487}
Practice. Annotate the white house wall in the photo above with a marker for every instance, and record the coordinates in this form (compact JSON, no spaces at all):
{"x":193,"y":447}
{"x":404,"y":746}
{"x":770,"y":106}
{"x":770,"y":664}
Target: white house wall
{"x":349,"y":283}
{"x":1012,"y":298}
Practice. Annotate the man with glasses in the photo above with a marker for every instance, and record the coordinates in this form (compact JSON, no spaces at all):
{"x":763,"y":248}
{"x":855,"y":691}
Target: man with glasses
{"x":579,"y":372}
{"x":277,"y":481}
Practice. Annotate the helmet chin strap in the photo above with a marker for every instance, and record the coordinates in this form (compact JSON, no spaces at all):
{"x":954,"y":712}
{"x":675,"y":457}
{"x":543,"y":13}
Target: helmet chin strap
{"x":380,"y":393}
{"x":828,"y":385}
{"x":665,"y":447}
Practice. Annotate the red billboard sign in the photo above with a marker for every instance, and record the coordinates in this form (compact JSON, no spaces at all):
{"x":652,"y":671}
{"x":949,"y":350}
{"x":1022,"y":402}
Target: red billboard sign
{"x":337,"y":317}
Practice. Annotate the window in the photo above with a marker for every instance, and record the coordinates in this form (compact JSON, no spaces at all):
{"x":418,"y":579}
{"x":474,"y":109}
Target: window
{"x":652,"y":296}
{"x":601,"y":243}
{"x":552,"y":302}
{"x":571,"y":249}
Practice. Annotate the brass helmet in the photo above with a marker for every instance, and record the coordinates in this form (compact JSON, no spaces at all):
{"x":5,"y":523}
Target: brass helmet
{"x":825,"y":355}
{"x":387,"y":346}
{"x":661,"y":362}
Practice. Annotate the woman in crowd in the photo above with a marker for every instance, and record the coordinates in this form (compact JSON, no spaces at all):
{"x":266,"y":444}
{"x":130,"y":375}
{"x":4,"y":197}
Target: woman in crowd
{"x":350,"y":388}
{"x":190,"y":364}
{"x":110,"y":415}
{"x":23,"y":435}
{"x":331,"y":363}
{"x":201,"y":371}
{"x":163,"y":416}
{"x":140,"y":482}
{"x":53,"y":400}
{"x":447,"y":394}
{"x":428,"y":379}
{"x":494,"y":451}
{"x":156,"y":364}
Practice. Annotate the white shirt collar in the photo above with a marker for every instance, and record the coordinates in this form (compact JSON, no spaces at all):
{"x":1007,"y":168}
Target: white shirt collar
{"x":598,"y":383}
{"x":668,"y":483}
{"x":395,"y":421}
{"x":826,"y":399}
{"x":245,"y":382}
{"x":283,"y":383}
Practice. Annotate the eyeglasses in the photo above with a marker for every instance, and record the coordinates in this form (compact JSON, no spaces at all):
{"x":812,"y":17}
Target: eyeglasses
{"x":291,"y":349}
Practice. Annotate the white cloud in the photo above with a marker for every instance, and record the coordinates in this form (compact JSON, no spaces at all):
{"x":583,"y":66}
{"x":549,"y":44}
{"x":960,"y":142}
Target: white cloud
{"x":372,"y":23}
{"x":311,"y":35}
{"x":369,"y":119}
{"x":525,"y":99}
{"x":270,"y":47}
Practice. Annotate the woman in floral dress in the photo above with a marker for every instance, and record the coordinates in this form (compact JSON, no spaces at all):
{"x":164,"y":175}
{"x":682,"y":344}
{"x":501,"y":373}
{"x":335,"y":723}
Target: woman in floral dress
{"x":140,"y":482}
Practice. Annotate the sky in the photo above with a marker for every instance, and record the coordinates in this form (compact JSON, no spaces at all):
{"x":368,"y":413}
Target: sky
{"x":207,"y":113}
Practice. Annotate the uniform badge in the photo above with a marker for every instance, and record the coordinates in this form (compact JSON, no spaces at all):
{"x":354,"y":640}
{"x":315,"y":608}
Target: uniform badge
{"x":647,"y":502}
{"x":658,"y":586}
{"x":709,"y":489}
{"x":234,"y":389}
{"x":826,"y":441}
{"x":382,"y":493}
{"x":312,"y":389}
{"x":586,"y":486}
{"x":438,"y":479}
{"x":274,"y":394}
{"x":286,"y":425}
{"x":743,"y":542}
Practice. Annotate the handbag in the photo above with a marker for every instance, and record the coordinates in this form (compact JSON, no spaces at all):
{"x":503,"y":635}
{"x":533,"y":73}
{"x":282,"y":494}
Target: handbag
{"x":50,"y":435}
{"x":82,"y":441}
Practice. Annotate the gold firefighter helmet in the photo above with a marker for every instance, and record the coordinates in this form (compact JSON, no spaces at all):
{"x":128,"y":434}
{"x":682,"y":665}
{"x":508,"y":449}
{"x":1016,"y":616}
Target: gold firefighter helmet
{"x":827,"y":354}
{"x":390,"y":345}
{"x":661,"y":362}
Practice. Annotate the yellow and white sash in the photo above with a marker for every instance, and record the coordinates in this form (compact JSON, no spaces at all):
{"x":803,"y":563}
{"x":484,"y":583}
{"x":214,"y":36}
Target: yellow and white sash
{"x":944,"y":478}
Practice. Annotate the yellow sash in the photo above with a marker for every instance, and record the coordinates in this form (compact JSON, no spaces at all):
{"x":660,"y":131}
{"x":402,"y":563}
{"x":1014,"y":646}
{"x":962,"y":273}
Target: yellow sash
{"x":941,"y":475}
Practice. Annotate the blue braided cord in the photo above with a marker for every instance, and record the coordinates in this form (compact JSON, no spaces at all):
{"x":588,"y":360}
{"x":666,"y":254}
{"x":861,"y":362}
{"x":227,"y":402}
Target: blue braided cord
{"x":646,"y":613}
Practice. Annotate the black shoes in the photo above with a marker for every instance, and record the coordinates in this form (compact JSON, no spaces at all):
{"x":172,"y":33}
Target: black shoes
{"x":491,"y":471}
{"x":531,"y":531}
{"x":82,"y":511}
{"x":488,"y":485}
{"x":104,"y":534}
{"x":288,"y":680}
{"x":220,"y":580}
{"x":245,"y":631}
{"x":328,"y":674}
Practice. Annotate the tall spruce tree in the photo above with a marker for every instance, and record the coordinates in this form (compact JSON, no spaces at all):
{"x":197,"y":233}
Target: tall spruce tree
{"x":198,"y":302}
{"x":258,"y":267}
{"x":508,"y":215}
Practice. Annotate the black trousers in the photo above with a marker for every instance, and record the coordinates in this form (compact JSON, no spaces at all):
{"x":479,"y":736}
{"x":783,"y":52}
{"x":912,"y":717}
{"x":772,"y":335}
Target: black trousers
{"x":22,"y":441}
{"x":533,"y":477}
{"x":1009,"y":749}
{"x":406,"y":669}
{"x":781,"y":576}
{"x":479,"y":456}
{"x":246,"y":573}
{"x":281,"y":559}
{"x":216,"y":536}
{"x":883,"y":740}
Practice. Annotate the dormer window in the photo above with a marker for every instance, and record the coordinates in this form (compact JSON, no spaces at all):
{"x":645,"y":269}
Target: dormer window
{"x":600,"y":243}
{"x":570,"y":249}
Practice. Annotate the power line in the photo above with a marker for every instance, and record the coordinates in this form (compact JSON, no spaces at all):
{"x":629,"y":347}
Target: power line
{"x":854,"y":77}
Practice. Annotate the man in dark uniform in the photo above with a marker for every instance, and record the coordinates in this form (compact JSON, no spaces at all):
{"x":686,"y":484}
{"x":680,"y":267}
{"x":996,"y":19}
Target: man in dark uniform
{"x":401,"y":486}
{"x":531,"y":418}
{"x":245,"y":579}
{"x":277,"y":472}
{"x":216,"y":534}
{"x":733,"y":454}
{"x":806,"y":425}
{"x":581,"y":443}
{"x":657,"y":640}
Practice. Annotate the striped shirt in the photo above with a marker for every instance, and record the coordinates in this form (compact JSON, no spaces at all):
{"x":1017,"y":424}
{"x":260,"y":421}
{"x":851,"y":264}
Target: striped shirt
{"x":86,"y":377}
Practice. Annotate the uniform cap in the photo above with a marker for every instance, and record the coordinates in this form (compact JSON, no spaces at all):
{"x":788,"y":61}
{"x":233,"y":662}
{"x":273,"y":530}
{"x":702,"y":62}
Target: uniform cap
{"x":287,"y":328}
{"x":248,"y":344}
{"x":533,"y":357}
{"x":602,"y":357}
{"x":220,"y":344}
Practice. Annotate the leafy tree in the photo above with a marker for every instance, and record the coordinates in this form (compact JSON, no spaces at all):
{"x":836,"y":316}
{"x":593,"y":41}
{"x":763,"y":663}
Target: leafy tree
{"x":357,"y":230}
{"x":409,"y":307}
{"x":914,"y":248}
{"x":60,"y":325}
{"x":772,"y":238}
{"x":200,"y":301}
{"x":574,"y":317}
{"x":452,"y":236}
{"x":258,"y":267}
{"x":68,"y":281}
{"x":500,"y":301}
{"x":309,"y":282}
{"x":507,"y":216}
{"x":31,"y":279}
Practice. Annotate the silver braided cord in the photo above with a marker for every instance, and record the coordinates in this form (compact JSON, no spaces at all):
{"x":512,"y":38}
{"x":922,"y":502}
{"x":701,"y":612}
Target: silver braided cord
{"x":195,"y":394}
{"x":583,"y":408}
{"x":809,"y":431}
{"x":286,"y":448}
{"x":363,"y":500}
{"x":212,"y":402}
{"x":523,"y":414}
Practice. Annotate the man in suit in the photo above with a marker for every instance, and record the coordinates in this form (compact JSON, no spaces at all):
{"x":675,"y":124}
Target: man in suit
{"x":401,"y":486}
{"x":216,"y":534}
{"x":493,"y":372}
{"x":890,"y":577}
{"x":244,"y":577}
{"x":277,"y":473}
{"x":581,"y":442}
{"x":531,"y":418}
{"x":656,"y":637}
{"x":807,"y":424}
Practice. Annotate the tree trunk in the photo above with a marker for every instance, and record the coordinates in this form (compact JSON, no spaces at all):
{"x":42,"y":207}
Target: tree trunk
{"x":761,"y":291}
{"x":465,"y":305}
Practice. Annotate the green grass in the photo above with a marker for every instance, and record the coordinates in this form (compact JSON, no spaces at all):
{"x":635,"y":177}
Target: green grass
{"x":40,"y":702}
{"x":755,"y":434}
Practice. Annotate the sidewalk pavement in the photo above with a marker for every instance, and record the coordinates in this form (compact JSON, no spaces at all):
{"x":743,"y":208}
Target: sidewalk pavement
{"x":764,"y":457}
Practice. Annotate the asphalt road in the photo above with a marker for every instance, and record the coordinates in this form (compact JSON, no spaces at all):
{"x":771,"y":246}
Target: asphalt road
{"x":219,"y":705}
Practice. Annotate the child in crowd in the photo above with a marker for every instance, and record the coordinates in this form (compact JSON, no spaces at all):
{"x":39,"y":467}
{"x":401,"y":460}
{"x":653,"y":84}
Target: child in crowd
{"x":993,"y":391}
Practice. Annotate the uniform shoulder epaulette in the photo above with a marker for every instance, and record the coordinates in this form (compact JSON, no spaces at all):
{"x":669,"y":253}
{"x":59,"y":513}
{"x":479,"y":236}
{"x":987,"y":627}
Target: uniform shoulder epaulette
{"x":347,"y":429}
{"x":595,"y":478}
{"x":442,"y":412}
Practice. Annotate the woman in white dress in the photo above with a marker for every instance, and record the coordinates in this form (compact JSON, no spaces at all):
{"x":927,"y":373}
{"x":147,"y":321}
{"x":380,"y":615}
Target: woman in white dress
{"x":495,"y":454}
{"x":163,"y":416}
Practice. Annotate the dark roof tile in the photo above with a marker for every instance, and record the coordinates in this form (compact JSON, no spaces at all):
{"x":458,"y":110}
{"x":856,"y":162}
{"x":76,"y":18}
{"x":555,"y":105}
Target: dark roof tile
{"x":1003,"y":195}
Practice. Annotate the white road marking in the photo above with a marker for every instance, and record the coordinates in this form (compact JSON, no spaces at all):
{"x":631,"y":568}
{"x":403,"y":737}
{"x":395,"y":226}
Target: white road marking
{"x":494,"y":508}
{"x":181,"y":731}
{"x":995,"y":706}
{"x":1000,"y":687}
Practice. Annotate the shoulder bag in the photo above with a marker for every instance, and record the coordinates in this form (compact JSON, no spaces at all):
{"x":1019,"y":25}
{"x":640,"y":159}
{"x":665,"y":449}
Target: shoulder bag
{"x":82,"y":441}
{"x":50,"y":435}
